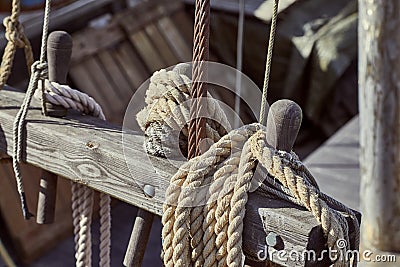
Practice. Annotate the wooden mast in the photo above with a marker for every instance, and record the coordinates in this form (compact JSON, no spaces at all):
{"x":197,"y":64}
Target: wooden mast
{"x":379,"y":102}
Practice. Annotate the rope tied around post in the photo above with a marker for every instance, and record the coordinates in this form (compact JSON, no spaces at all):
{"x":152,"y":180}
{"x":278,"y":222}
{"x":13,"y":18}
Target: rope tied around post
{"x":205,"y":202}
{"x":82,"y":195}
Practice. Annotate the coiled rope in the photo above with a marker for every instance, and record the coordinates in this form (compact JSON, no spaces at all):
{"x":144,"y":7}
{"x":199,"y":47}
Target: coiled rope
{"x":205,"y":202}
{"x":82,"y":196}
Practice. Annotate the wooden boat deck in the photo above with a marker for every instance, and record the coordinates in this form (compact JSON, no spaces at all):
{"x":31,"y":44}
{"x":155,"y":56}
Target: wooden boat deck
{"x":335,"y":165}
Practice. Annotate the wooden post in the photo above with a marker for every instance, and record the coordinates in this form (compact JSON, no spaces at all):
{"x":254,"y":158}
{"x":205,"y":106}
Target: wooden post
{"x":379,"y":101}
{"x":283,"y":124}
{"x":59,"y":46}
{"x":139,"y":237}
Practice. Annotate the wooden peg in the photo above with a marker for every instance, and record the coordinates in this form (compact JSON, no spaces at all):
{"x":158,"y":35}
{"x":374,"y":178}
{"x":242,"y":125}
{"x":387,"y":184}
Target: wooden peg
{"x":283,"y":124}
{"x":59,"y":47}
{"x":144,"y":219}
{"x":138,"y":240}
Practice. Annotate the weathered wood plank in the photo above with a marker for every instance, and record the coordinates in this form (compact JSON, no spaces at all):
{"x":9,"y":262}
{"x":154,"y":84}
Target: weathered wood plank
{"x":32,"y":239}
{"x":131,"y":64}
{"x":161,"y":45}
{"x":175,"y":39}
{"x":115,"y":75}
{"x":81,"y":77}
{"x":336,"y":163}
{"x":148,"y":52}
{"x":90,"y":151}
{"x":379,"y":96}
{"x":62,"y":16}
{"x":145,"y":13}
{"x":232,"y":5}
{"x":89,"y":41}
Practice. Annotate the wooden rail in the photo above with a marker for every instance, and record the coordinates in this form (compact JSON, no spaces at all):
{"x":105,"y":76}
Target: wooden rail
{"x":90,"y":151}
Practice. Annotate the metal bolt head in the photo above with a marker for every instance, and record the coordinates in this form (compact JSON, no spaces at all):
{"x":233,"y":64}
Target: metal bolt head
{"x":149,"y":190}
{"x":272,"y":239}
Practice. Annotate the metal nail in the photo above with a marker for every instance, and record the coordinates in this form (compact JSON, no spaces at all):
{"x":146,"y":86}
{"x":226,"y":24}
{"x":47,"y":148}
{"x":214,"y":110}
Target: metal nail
{"x":272,"y":239}
{"x":149,"y":190}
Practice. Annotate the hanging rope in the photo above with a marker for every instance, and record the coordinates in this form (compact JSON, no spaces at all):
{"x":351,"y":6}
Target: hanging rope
{"x":239,"y":60}
{"x":39,"y":72}
{"x":82,"y":196}
{"x":263,"y":111}
{"x":225,"y":171}
{"x":82,"y":206}
{"x":15,"y":39}
{"x":199,"y":75}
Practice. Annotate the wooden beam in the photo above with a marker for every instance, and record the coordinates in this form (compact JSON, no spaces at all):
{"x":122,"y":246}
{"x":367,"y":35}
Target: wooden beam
{"x":62,"y":16}
{"x":379,"y":98}
{"x":90,"y":151}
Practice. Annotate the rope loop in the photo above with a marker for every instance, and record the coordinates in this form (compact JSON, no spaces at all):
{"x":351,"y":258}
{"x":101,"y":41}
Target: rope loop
{"x":40,"y":68}
{"x":14,"y":32}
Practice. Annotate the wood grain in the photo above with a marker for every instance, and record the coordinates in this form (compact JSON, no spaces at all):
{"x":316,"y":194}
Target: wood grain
{"x":90,"y":151}
{"x":379,"y":96}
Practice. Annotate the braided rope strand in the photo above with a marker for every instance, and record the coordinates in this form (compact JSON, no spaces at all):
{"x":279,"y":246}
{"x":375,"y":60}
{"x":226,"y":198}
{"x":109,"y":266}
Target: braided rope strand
{"x":83,"y":253}
{"x":105,"y":230}
{"x":15,"y":39}
{"x":201,"y":35}
{"x":263,"y":111}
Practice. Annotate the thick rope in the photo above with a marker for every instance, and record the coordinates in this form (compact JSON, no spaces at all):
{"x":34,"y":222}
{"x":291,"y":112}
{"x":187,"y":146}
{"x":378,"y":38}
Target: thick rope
{"x":15,"y":39}
{"x":105,"y":230}
{"x":63,"y":95}
{"x":263,"y":111}
{"x":82,"y":206}
{"x":168,"y":93}
{"x":211,"y":190}
{"x":201,"y":35}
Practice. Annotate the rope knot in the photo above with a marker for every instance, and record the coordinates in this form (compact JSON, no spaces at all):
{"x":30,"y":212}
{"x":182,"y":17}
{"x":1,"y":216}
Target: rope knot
{"x":41,"y":69}
{"x":290,"y":159}
{"x":14,"y":32}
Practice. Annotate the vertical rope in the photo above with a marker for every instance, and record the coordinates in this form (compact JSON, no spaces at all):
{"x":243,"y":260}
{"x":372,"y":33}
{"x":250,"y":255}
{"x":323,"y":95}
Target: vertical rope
{"x":199,"y":76}
{"x":76,"y":211}
{"x":39,"y":71}
{"x":82,"y":207}
{"x":239,"y":60}
{"x":263,"y":112}
{"x":105,"y":230}
{"x":197,"y":123}
{"x":82,"y":219}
